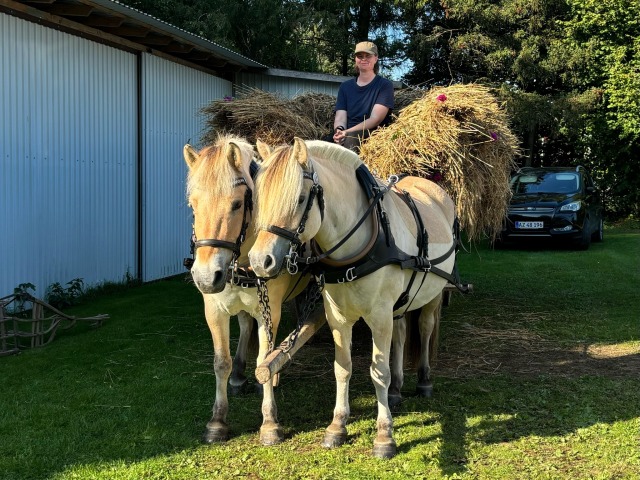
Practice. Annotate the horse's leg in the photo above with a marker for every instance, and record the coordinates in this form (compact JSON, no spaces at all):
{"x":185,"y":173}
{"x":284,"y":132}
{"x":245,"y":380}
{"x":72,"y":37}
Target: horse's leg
{"x":238,"y":380}
{"x":336,"y":433}
{"x":397,"y":361}
{"x":218,"y":321}
{"x":270,"y":431}
{"x":429,"y":323}
{"x":384,"y":446}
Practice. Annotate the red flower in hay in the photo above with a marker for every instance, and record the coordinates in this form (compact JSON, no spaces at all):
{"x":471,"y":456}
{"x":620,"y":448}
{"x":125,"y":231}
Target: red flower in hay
{"x":441,"y":98}
{"x":228,"y":99}
{"x":494,"y":136}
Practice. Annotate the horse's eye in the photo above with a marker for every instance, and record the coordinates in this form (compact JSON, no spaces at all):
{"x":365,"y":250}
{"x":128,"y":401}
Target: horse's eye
{"x":301,"y":199}
{"x":236,"y":205}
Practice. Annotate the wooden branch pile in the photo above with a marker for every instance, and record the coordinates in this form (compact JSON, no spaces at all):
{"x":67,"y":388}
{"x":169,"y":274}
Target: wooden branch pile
{"x":19,"y":332}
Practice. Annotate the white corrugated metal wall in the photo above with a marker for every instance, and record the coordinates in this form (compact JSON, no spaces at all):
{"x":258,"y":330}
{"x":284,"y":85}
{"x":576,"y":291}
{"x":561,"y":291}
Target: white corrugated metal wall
{"x":173,"y":95}
{"x":71,"y":205}
{"x":68,"y":165}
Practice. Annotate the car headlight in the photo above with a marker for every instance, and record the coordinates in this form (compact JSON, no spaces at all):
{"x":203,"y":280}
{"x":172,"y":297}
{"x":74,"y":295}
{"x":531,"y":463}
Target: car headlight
{"x":571,"y":207}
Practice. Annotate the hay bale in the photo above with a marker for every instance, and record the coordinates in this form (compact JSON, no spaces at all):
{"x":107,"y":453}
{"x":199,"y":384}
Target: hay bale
{"x":255,"y":113}
{"x":317,"y":107}
{"x":459,"y":135}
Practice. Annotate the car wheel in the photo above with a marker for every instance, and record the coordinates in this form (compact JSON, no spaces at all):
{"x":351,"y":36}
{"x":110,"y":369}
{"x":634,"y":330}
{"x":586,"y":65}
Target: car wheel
{"x":584,"y":241}
{"x":598,"y":235}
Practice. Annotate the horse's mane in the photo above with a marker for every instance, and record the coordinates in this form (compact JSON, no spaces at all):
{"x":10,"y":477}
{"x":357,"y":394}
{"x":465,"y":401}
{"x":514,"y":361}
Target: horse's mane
{"x":337,"y":153}
{"x":213,"y":173}
{"x":283,"y":174}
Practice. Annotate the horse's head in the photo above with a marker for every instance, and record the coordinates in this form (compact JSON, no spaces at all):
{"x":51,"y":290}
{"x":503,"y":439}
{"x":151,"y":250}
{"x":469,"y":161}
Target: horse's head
{"x":219,"y":190}
{"x":290,"y":206}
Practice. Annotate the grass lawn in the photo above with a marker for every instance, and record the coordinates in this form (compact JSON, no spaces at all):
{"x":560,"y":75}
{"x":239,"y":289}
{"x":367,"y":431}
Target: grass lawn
{"x":537,"y":378}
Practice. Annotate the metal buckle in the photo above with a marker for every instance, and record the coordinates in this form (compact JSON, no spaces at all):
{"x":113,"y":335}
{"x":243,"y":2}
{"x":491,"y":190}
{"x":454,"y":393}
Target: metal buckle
{"x":292,"y":261}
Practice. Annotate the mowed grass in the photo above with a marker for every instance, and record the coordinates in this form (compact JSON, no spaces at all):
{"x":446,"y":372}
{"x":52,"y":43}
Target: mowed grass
{"x":537,"y":378}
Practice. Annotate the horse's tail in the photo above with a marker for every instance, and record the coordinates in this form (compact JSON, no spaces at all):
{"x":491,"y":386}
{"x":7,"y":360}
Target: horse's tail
{"x":413,"y":347}
{"x":412,"y":343}
{"x":435,"y":334}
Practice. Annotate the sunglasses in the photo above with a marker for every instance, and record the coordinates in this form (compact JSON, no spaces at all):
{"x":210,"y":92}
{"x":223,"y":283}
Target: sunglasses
{"x":362,"y":56}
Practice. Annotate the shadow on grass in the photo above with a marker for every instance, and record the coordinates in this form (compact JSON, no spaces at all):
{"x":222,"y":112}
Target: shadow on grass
{"x":142,"y":386}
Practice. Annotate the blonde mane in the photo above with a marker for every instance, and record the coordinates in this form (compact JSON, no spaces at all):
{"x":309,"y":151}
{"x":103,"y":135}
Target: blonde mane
{"x":321,"y":149}
{"x":283,"y":174}
{"x":213,"y":173}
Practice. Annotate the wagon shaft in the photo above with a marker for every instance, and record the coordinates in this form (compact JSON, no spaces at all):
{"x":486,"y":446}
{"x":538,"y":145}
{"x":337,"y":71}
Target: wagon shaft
{"x":277,"y":359}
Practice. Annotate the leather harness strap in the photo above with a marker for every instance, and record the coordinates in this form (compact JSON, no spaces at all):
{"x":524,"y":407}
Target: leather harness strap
{"x":384,"y":250}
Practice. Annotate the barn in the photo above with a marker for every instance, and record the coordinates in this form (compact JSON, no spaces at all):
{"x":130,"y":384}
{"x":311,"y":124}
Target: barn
{"x":96,"y":102}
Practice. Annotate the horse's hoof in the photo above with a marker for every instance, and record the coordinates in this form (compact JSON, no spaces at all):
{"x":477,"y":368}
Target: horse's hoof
{"x":334,"y":439}
{"x":271,"y":435}
{"x":259,"y":388}
{"x":394,"y":400}
{"x":385,"y":450}
{"x":424,"y":390}
{"x":238,"y":389}
{"x":215,"y":434}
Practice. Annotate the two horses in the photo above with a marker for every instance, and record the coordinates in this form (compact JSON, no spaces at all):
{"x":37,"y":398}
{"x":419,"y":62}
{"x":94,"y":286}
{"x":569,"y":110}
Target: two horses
{"x":309,"y":192}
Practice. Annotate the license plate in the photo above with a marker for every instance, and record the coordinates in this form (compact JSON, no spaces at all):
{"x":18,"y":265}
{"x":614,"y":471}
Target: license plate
{"x":529,"y":225}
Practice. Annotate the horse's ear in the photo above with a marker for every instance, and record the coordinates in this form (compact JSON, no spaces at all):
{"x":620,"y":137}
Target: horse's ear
{"x":235,"y":155}
{"x":190,"y":155}
{"x":300,"y":151}
{"x":264,"y":150}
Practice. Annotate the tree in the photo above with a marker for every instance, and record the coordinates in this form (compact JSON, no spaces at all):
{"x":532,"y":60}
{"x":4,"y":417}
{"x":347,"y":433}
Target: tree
{"x":602,"y":48}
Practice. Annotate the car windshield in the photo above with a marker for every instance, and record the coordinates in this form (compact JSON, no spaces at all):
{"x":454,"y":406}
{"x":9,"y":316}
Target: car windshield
{"x":545,"y":182}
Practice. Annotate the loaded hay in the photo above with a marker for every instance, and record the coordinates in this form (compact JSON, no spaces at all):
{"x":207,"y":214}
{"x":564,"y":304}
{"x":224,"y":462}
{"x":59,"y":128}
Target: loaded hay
{"x":273,"y":119}
{"x":458,"y":136}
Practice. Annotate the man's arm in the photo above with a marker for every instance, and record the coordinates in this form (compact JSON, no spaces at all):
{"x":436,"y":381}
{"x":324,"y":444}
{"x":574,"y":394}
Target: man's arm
{"x":378,"y":114}
{"x":340,"y":120}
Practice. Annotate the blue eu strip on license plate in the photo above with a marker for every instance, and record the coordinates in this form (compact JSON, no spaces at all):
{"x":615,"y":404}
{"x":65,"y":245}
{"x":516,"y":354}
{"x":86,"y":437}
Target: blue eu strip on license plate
{"x":529,"y":224}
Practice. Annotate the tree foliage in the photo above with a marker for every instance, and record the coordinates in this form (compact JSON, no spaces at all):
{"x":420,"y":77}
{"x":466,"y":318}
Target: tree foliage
{"x":567,"y":70}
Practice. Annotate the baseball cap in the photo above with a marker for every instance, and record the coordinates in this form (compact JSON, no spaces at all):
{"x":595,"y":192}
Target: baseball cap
{"x":367,"y":47}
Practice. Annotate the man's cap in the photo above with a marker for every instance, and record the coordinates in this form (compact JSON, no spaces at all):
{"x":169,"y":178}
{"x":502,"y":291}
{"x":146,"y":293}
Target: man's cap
{"x":367,"y":47}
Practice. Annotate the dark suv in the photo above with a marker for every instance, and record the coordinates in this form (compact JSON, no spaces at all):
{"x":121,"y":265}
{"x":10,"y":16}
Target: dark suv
{"x":554,"y":202}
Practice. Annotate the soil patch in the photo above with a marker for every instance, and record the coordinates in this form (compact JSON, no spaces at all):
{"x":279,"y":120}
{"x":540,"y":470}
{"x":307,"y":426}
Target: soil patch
{"x":476,"y":351}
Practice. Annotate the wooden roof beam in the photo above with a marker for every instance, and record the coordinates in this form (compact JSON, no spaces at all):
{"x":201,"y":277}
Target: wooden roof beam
{"x":68,"y":10}
{"x":103,"y":21}
{"x":157,"y":40}
{"x":175,"y":47}
{"x":130,"y":31}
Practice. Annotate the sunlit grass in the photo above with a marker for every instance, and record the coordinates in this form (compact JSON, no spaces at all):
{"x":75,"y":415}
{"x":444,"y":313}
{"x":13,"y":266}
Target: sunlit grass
{"x":130,"y":399}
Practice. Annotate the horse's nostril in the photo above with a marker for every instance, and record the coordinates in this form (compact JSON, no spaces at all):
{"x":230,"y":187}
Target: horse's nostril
{"x":217,"y":277}
{"x":268,"y":261}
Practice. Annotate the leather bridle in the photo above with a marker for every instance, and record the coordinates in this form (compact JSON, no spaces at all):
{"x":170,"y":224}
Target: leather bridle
{"x":218,"y":243}
{"x":293,"y":237}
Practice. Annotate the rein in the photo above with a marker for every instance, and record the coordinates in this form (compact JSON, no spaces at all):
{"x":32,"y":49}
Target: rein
{"x":381,"y":249}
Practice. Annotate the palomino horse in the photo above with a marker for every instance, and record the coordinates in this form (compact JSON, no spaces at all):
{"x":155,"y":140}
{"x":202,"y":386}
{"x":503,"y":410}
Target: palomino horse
{"x":220,"y":192}
{"x":372,"y":251}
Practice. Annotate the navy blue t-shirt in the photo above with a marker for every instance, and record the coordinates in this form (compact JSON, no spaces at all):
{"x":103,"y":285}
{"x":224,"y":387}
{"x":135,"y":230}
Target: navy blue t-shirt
{"x":359,"y":101}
